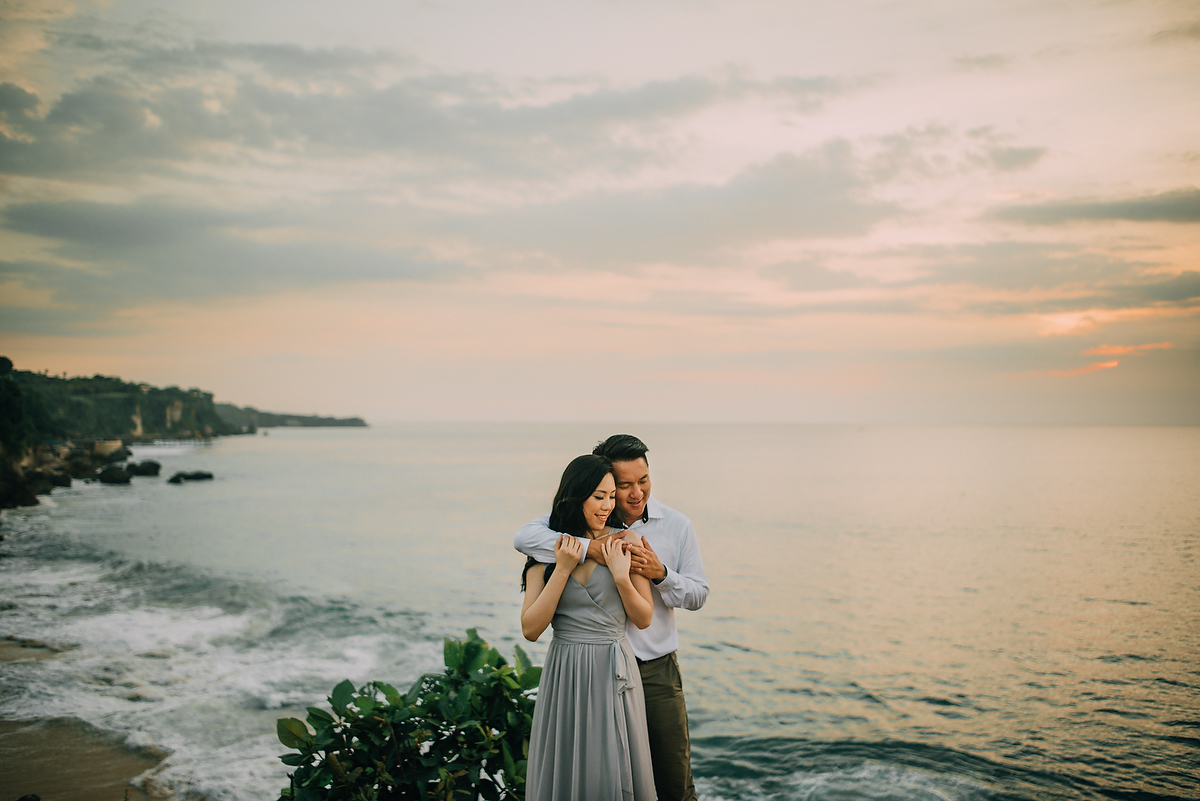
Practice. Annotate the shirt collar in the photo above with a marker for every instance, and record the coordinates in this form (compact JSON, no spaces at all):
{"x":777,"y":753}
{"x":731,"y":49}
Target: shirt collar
{"x":653,"y":509}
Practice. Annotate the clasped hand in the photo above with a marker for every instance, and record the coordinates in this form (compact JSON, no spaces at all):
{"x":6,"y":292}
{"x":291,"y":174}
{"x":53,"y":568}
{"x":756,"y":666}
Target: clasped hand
{"x":616,"y":556}
{"x":567,"y":552}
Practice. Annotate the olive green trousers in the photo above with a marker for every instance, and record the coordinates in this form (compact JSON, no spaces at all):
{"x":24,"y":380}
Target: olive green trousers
{"x":666,"y":720}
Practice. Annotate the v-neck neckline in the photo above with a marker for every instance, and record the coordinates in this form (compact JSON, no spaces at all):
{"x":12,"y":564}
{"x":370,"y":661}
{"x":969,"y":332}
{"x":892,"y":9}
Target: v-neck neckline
{"x":587,"y":580}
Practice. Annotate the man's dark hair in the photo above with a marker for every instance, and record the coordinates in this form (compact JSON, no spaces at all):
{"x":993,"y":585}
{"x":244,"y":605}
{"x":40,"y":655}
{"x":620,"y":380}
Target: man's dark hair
{"x":622,"y":448}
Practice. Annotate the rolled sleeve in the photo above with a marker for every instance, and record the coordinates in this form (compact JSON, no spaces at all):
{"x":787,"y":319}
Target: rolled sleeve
{"x":682,"y":592}
{"x":537,"y":539}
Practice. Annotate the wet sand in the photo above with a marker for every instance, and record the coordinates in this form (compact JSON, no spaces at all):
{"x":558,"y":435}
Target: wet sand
{"x":64,"y":760}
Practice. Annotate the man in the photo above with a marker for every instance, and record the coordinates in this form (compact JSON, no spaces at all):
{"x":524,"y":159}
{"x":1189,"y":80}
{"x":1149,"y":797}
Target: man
{"x":670,"y":557}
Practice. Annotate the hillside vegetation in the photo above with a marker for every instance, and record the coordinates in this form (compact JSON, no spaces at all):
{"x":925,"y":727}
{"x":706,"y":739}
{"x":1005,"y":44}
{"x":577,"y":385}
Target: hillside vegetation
{"x":38,"y":407}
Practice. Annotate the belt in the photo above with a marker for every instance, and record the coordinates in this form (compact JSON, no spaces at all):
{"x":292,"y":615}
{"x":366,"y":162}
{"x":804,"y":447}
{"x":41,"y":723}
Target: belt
{"x":641,"y":661}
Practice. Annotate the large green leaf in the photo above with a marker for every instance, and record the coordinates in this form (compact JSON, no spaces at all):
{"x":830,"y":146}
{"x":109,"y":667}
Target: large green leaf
{"x":318,"y":717}
{"x":531,"y":677}
{"x":452,"y":652}
{"x":292,"y":732}
{"x":523,"y":662}
{"x":342,"y":695}
{"x":510,"y":769}
{"x":463,"y":702}
{"x":306,"y":793}
{"x":388,"y":690}
{"x":473,"y":655}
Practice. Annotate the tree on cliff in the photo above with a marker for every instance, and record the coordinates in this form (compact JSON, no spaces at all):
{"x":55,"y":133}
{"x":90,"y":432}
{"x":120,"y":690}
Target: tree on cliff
{"x":17,"y":430}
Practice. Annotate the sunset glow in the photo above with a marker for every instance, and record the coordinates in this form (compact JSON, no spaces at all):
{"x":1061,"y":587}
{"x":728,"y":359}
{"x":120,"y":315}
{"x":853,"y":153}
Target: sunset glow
{"x":727,"y":212}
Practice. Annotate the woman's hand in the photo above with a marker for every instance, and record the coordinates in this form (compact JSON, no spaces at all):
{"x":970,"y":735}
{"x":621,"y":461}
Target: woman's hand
{"x":567,"y":552}
{"x":634,"y":589}
{"x":616,"y":557}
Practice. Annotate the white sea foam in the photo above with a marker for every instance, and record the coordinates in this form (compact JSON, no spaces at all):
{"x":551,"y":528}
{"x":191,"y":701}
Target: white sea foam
{"x":201,"y":683}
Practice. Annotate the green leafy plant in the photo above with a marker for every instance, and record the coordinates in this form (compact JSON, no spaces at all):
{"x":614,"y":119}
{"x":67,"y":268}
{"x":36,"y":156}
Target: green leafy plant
{"x":459,"y":734}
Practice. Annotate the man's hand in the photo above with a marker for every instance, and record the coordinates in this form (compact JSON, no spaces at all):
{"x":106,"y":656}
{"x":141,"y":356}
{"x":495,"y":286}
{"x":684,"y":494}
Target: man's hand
{"x":646,"y":561}
{"x":595,"y":551}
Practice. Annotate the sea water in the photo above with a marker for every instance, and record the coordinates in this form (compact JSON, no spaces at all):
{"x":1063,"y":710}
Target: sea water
{"x":895,"y":612}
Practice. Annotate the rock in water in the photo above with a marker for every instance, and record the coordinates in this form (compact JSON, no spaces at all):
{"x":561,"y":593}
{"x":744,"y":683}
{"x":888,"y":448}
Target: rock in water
{"x":113,"y":475}
{"x":119,"y":455}
{"x":60,"y":479}
{"x":195,"y":475}
{"x":146,"y":468}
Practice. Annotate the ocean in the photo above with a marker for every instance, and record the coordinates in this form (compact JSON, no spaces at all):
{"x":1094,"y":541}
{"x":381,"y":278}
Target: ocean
{"x":895,"y":612}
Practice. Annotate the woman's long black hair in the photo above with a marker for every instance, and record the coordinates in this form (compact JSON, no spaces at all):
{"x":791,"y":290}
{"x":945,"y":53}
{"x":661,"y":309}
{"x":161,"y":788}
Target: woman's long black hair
{"x":578,"y":482}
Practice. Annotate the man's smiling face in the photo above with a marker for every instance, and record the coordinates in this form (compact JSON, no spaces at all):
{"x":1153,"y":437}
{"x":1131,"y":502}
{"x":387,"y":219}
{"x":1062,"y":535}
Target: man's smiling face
{"x":633,"y":488}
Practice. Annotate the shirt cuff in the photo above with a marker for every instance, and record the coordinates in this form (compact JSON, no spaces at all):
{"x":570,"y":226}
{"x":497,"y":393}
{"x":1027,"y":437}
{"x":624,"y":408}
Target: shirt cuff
{"x":585,"y":542}
{"x":666,"y":582}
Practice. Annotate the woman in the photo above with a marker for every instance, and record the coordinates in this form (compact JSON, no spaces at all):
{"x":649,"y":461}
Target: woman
{"x":588,"y":741}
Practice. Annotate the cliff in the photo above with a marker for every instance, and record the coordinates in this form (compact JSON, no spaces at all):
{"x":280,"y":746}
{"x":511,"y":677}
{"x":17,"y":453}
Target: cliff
{"x":102,"y":408}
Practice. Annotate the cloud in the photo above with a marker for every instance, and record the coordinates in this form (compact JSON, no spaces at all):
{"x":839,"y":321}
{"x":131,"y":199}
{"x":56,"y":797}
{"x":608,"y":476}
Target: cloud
{"x":982,"y":63}
{"x":1011,"y":159}
{"x":150,"y":108}
{"x":810,"y":276}
{"x":940,"y":151}
{"x":1182,"y":288}
{"x":1076,"y":371}
{"x":1124,"y":350}
{"x":1178,"y":206}
{"x":117,"y":256}
{"x":820,"y":194}
{"x":1016,"y":266}
{"x":1182,"y":32}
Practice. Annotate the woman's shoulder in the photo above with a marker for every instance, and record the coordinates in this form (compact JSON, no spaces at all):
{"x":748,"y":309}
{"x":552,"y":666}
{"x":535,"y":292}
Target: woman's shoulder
{"x":629,"y":535}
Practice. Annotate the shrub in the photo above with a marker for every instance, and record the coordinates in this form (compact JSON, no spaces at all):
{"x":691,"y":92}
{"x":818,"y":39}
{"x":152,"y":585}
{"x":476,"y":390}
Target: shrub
{"x":459,"y":734}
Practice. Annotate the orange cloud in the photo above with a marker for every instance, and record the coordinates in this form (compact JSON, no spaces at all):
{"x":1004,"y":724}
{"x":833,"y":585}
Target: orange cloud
{"x":1074,"y":371}
{"x":1123,"y":350}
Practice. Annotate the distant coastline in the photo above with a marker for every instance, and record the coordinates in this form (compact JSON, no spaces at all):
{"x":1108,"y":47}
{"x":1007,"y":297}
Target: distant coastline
{"x":248,"y":417}
{"x":54,"y":429}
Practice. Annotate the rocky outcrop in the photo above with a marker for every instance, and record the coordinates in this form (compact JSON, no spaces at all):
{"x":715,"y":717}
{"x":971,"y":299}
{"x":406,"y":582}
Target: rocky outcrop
{"x":42,"y":482}
{"x":114,"y":474}
{"x":195,"y":475}
{"x":14,"y":490}
{"x":146,"y":468}
{"x":121,"y":454}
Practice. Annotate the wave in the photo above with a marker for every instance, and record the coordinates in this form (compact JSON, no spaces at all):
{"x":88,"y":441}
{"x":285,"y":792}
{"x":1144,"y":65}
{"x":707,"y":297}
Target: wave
{"x":193,"y":665}
{"x":199,"y":666}
{"x":800,"y":769}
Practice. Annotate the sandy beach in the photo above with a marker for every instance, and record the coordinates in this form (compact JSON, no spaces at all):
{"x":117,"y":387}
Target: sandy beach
{"x":64,"y":760}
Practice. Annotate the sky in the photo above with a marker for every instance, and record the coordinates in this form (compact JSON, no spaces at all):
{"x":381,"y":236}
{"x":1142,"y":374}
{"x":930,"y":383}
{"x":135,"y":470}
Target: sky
{"x":902,"y":211}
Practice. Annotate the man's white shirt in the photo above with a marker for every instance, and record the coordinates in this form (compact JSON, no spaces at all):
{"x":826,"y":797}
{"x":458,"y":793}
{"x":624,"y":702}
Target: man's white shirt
{"x":672,"y":537}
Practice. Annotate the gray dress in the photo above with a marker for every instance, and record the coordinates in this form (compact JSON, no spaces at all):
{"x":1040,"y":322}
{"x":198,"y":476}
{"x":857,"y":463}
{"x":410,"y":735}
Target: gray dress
{"x":589,"y":740}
